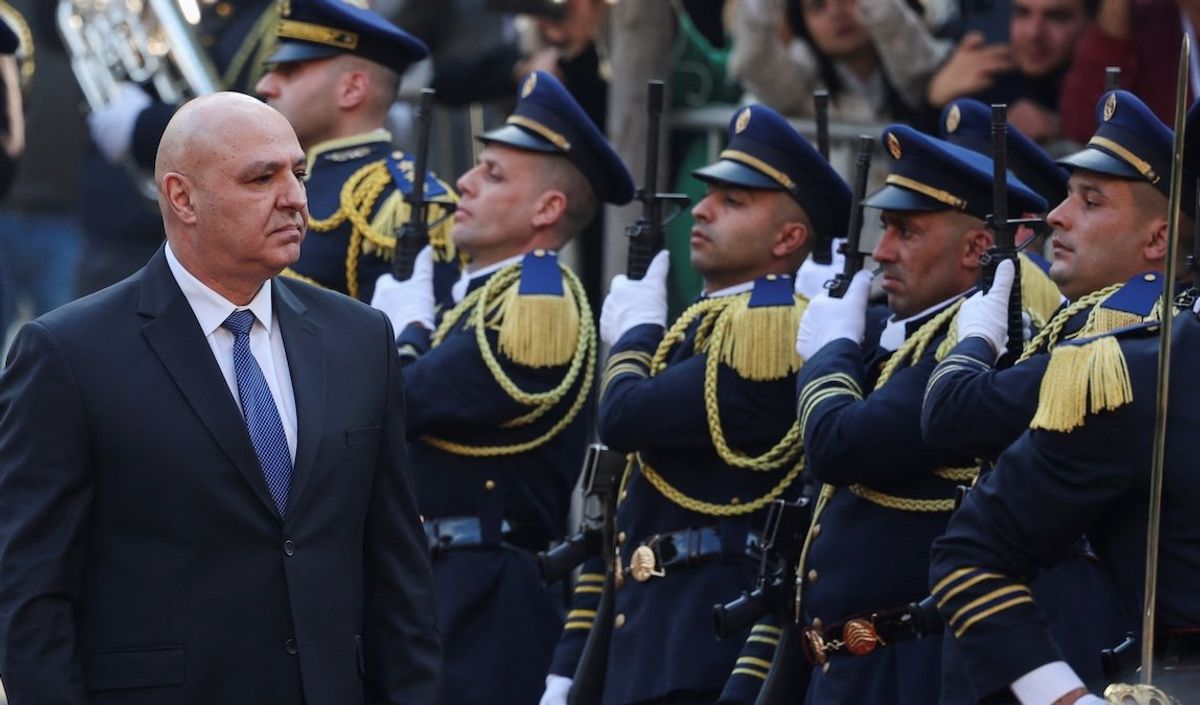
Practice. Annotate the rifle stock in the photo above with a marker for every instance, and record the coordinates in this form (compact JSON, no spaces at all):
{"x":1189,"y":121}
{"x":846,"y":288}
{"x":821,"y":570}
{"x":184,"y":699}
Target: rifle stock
{"x":851,"y":250}
{"x":414,"y":234}
{"x":646,"y":235}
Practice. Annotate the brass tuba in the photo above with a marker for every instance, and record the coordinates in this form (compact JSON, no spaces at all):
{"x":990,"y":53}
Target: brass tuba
{"x":149,"y":42}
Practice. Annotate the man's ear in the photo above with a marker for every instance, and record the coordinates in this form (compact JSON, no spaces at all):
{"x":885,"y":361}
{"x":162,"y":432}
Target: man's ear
{"x":791,"y":236}
{"x":551,"y":207}
{"x":354,"y":89}
{"x":975,"y":244}
{"x":1154,"y":248}
{"x":177,"y":191}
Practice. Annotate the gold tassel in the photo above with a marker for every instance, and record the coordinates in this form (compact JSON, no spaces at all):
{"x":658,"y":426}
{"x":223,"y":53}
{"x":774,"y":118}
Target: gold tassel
{"x":1082,"y":379}
{"x":760,"y":342}
{"x":1104,"y":319}
{"x":1040,"y":296}
{"x":539,"y":330}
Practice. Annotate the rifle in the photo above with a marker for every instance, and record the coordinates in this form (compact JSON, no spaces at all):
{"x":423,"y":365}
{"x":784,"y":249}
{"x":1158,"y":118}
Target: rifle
{"x":1004,"y":232}
{"x":587,"y":687}
{"x":602,"y":470}
{"x":851,"y":249}
{"x":821,"y":110}
{"x":823,"y":250}
{"x":414,"y":234}
{"x":783,"y":539}
{"x":646,"y":234}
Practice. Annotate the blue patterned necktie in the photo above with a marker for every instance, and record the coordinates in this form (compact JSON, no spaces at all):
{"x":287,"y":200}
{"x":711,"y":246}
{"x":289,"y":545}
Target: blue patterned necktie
{"x":262,"y":416}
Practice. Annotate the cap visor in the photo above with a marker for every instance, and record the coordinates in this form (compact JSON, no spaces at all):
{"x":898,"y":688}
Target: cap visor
{"x":288,"y":52}
{"x":729,"y":172}
{"x":514,"y":136}
{"x":1100,"y":162}
{"x":894,"y":198}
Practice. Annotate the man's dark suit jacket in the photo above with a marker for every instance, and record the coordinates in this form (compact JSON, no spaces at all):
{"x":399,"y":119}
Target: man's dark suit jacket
{"x":142,"y":559}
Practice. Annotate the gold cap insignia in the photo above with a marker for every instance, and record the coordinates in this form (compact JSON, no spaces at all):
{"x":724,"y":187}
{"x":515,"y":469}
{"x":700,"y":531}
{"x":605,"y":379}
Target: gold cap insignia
{"x":953,"y":118}
{"x":1110,"y":107}
{"x":285,"y":8}
{"x":529,"y":85}
{"x":893,"y":145}
{"x":742,"y":121}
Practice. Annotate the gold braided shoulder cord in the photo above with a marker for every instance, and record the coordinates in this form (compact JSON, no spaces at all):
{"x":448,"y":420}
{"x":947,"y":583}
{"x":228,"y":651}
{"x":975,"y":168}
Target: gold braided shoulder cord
{"x":722,"y":510}
{"x":708,"y":311}
{"x":477,"y":303}
{"x":783,"y":453}
{"x":1051,"y":335}
{"x":915,"y":346}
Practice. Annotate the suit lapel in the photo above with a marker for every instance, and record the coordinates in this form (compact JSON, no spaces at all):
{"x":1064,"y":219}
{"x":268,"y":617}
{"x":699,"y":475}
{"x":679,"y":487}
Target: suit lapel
{"x":175,"y":336}
{"x":305,"y":345}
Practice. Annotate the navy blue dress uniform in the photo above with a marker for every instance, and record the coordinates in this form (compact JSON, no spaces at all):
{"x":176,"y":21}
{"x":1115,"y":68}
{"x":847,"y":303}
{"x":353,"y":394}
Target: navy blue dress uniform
{"x":499,"y":415}
{"x":357,"y":185}
{"x":886,"y":494}
{"x":1082,"y":468}
{"x":710,"y":424}
{"x":973,"y":408}
{"x":123,"y":226}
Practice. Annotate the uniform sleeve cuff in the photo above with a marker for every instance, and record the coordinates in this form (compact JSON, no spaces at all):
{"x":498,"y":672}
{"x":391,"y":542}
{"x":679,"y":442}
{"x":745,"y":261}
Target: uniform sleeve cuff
{"x":1045,"y":684}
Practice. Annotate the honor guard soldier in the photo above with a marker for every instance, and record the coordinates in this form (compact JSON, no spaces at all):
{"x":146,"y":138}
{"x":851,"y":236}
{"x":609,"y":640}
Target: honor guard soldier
{"x":1082,"y":468}
{"x":1113,"y":231}
{"x":334,"y":76}
{"x":1078,"y":595}
{"x":499,"y":389}
{"x":886,"y":494}
{"x":1109,"y":251}
{"x":705,"y":407}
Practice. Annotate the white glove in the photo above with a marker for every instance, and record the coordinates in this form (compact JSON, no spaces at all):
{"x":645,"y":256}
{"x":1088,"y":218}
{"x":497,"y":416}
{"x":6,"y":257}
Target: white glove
{"x":828,"y":319}
{"x":557,"y":688}
{"x":986,"y":315}
{"x":811,"y":278}
{"x":633,"y":302}
{"x":112,"y":125}
{"x":409,"y":301}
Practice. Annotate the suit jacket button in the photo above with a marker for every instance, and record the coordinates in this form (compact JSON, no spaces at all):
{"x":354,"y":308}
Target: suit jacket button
{"x":289,"y":548}
{"x":290,"y":647}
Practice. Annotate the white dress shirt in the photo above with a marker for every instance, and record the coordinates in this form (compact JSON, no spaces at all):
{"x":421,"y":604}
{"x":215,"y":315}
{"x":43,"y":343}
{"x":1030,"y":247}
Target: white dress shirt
{"x":459,"y":290}
{"x":895,"y":331}
{"x":266,"y":341}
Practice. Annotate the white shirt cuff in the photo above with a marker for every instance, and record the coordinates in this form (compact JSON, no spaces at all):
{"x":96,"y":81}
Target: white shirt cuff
{"x":1045,"y":684}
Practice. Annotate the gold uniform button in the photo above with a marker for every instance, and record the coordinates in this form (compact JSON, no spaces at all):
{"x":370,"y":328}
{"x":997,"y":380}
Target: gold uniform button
{"x":619,"y":621}
{"x":1150,"y":277}
{"x":224,"y":9}
{"x":825,"y":667}
{"x":735,"y":500}
{"x":539,"y":252}
{"x":812,"y":576}
{"x":624,"y":494}
{"x":818,"y":624}
{"x":772,"y":277}
{"x":816,"y":531}
{"x":621,"y":537}
{"x":489,"y":485}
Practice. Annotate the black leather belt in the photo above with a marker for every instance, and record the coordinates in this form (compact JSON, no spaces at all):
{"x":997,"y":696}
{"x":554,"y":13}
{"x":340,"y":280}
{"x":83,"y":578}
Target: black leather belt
{"x":452,"y":533}
{"x":686,"y":547}
{"x":861,"y":635}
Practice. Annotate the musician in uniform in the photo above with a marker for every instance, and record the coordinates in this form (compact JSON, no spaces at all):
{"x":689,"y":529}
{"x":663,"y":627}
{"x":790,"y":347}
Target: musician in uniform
{"x":334,"y":75}
{"x":499,"y":389}
{"x":705,"y":408}
{"x":120,"y":219}
{"x":887,"y":494}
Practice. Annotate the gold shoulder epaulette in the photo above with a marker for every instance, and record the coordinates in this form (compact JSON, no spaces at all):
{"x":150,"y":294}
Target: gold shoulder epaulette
{"x":1083,"y":377}
{"x":756,"y":333}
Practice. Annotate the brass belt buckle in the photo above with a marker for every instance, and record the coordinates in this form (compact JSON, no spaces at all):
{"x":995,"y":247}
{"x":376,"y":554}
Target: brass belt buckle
{"x":816,"y":646}
{"x":860,"y":637}
{"x":643,"y":564}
